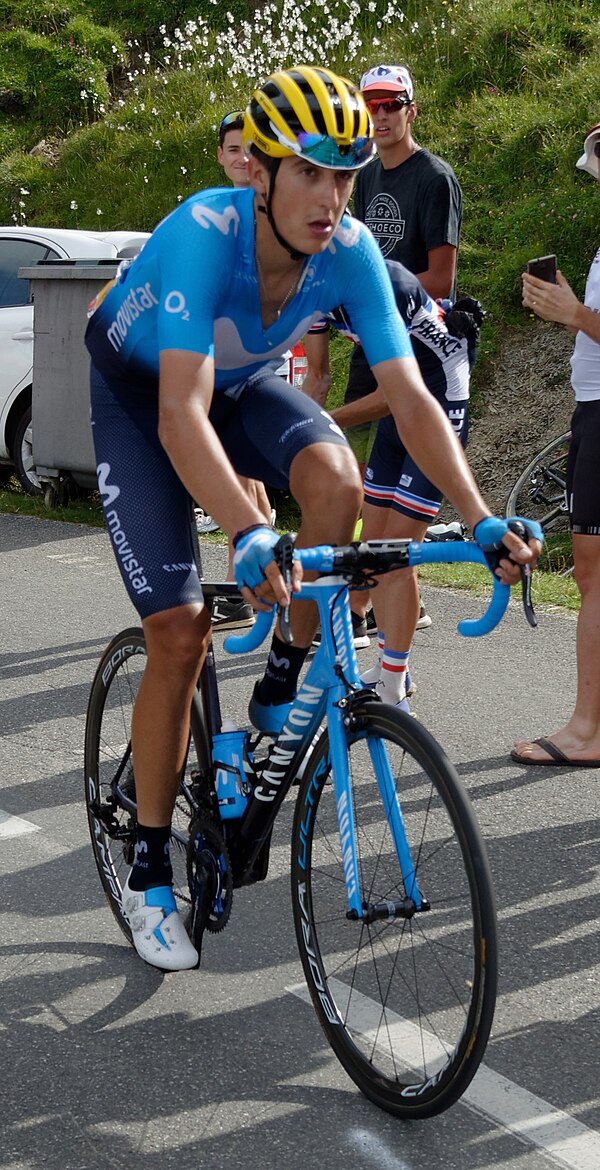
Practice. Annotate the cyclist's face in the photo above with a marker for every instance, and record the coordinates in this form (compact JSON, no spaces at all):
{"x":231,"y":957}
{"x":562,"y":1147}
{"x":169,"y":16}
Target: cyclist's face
{"x":309,"y":202}
{"x":233,"y":159}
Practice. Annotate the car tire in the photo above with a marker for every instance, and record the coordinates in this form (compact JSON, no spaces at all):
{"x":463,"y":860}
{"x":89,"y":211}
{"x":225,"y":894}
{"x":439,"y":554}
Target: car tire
{"x":22,"y":455}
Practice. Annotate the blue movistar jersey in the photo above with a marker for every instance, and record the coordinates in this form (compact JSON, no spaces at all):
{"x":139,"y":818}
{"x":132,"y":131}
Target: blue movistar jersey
{"x":194,"y":287}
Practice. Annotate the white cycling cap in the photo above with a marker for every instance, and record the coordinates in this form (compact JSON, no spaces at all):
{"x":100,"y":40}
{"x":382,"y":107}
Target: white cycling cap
{"x":589,"y":161}
{"x":389,"y":79}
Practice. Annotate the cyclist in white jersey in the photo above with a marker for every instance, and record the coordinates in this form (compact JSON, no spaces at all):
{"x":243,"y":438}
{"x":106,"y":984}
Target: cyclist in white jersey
{"x":578,"y":742}
{"x":183,"y":393}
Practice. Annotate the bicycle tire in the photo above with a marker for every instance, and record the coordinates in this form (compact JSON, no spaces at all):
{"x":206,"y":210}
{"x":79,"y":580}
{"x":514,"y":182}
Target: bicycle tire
{"x":107,"y":749}
{"x":406,"y":1004}
{"x":539,"y":492}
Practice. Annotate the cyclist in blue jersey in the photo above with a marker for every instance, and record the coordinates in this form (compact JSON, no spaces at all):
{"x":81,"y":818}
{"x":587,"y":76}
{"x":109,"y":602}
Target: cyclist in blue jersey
{"x":184,"y":345}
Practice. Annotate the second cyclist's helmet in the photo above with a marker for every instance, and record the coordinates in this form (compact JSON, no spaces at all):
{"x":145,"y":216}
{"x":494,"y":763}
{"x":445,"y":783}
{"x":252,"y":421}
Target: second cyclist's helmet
{"x":312,"y":113}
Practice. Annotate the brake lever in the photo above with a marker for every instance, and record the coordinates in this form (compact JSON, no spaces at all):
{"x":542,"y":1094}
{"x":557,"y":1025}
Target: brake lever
{"x":526,"y":578}
{"x":284,"y":556}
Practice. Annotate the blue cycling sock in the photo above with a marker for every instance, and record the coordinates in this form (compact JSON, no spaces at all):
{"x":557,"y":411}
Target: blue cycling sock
{"x":152,"y":862}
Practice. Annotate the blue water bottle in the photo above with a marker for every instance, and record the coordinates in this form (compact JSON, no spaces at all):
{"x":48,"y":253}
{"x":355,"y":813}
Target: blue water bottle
{"x":230,"y":775}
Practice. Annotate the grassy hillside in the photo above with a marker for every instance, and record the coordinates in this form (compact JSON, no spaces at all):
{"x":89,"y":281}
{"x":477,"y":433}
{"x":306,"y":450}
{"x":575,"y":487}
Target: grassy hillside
{"x":119,"y":105}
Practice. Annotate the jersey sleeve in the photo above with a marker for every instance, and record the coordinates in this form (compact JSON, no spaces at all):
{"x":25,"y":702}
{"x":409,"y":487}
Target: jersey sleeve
{"x":371,"y":304}
{"x":196,"y":242}
{"x":441,"y":211}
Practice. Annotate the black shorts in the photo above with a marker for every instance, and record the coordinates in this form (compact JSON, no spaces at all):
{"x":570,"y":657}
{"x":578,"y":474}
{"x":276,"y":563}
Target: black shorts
{"x":147,"y":508}
{"x":583,"y":470}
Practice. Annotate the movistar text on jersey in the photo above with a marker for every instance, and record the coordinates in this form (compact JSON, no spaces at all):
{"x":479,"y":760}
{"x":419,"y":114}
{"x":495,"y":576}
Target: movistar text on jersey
{"x":132,"y":307}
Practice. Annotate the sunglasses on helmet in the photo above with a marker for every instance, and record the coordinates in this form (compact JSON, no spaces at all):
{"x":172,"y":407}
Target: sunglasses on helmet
{"x":328,"y":152}
{"x":229,"y":118}
{"x":387,"y":105}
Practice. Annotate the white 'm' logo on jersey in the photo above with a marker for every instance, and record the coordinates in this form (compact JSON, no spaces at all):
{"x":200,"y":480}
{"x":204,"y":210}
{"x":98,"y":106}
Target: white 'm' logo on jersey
{"x":222,"y":220}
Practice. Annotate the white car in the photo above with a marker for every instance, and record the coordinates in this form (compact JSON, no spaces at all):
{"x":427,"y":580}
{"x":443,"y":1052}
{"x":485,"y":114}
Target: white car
{"x":21,"y":247}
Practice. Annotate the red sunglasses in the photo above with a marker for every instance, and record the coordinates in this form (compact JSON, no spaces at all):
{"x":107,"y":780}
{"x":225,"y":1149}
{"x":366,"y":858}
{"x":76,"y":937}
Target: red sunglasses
{"x":387,"y":105}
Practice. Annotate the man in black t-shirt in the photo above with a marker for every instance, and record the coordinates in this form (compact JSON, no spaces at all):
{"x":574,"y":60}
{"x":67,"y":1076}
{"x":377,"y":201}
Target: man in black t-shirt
{"x":412,"y":203}
{"x":409,"y":198}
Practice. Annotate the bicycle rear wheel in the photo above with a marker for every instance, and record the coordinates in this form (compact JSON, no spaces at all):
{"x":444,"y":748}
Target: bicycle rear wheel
{"x":109,"y":773}
{"x":406,"y":1003}
{"x":541,"y":493}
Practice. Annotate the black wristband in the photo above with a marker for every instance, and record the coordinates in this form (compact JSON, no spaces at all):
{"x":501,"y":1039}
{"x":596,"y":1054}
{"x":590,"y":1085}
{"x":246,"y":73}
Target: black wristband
{"x":245,"y":531}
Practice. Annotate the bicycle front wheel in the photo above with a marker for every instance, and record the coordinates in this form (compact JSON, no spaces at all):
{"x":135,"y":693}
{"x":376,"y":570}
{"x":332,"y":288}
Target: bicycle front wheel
{"x":110,"y":779}
{"x":406,"y":1003}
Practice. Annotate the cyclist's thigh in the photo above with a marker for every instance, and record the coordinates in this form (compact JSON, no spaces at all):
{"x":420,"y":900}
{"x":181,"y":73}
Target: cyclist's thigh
{"x":393,"y":480}
{"x":270,"y":424}
{"x":147,"y":508}
{"x":583,"y":470}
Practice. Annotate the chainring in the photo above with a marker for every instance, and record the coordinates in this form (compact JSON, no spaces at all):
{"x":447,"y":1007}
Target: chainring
{"x":210,"y":877}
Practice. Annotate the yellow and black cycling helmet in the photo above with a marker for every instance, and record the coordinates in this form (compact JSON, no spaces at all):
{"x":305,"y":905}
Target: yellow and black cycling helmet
{"x":312,"y":113}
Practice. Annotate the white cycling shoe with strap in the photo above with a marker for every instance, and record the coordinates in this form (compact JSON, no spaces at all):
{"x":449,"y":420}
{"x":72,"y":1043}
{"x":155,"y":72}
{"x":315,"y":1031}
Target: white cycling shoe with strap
{"x":159,"y":935}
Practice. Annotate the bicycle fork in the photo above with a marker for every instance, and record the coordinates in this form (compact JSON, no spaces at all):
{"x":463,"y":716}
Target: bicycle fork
{"x":359,"y":910}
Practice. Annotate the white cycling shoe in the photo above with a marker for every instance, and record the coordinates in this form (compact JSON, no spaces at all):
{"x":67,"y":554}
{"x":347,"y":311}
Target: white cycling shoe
{"x":159,"y":936}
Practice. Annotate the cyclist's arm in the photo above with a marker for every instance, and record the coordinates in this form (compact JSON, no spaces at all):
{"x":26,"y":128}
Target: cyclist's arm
{"x":187,"y":435}
{"x":557,"y":302}
{"x":430,"y":440}
{"x":372,"y":406}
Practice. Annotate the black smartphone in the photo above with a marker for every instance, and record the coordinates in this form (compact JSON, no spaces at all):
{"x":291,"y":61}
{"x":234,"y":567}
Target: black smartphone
{"x":544,"y":267}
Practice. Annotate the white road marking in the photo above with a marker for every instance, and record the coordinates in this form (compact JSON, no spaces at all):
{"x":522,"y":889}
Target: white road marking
{"x":14,"y":826}
{"x":558,"y":1135}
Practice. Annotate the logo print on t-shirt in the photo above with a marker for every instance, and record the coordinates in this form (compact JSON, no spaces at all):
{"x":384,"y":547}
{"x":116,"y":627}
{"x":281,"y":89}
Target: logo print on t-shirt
{"x":384,"y":221}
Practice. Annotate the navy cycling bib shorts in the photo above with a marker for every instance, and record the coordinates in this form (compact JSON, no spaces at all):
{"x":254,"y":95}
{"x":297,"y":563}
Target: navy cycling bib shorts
{"x":147,"y":508}
{"x":392,"y":478}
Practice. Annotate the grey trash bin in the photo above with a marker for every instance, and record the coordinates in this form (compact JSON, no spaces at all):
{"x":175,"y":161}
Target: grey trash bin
{"x":60,"y":409}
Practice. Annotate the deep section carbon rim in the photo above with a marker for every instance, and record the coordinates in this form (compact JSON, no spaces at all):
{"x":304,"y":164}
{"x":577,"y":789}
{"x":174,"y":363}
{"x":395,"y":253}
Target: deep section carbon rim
{"x":406,"y":1003}
{"x":108,"y":758}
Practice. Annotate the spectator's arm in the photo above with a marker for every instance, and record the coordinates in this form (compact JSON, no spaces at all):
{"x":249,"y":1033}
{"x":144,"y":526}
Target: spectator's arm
{"x":438,"y":279}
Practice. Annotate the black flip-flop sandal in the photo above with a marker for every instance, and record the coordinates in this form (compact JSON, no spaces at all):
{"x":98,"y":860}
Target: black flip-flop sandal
{"x":556,"y":757}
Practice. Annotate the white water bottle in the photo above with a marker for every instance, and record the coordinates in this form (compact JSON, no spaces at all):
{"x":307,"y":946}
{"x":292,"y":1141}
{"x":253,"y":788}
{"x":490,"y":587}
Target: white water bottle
{"x":228,"y":759}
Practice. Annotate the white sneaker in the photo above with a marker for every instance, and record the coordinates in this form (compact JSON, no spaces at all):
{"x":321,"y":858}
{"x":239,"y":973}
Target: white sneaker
{"x":424,"y":620}
{"x":159,"y":936}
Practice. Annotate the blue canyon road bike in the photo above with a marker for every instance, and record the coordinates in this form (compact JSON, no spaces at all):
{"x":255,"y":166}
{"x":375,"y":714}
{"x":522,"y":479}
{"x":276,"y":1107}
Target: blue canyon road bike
{"x":391,"y":889}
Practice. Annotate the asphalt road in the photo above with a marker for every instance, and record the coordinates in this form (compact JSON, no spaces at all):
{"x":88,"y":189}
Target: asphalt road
{"x":107,"y":1063}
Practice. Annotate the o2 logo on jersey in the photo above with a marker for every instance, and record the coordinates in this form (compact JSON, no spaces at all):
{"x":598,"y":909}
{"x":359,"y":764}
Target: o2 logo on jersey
{"x":175,"y":303}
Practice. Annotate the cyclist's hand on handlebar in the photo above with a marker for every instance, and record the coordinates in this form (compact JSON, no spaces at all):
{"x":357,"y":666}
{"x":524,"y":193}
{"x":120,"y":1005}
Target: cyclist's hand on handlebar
{"x":255,"y":570}
{"x":509,"y":545}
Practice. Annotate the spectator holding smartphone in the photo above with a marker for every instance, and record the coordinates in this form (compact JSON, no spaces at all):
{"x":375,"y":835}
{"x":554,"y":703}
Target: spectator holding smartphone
{"x":578,"y":743}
